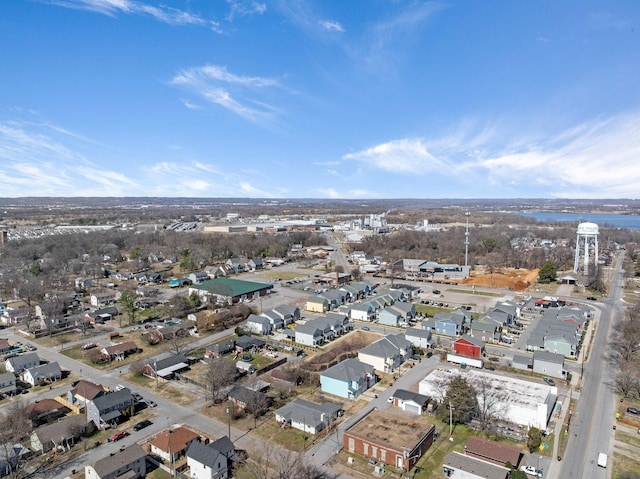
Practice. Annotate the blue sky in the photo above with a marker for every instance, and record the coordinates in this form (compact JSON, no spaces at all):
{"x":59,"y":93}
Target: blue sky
{"x":320,"y":99}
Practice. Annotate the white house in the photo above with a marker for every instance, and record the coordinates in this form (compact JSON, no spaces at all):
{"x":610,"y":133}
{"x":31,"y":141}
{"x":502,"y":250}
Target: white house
{"x":386,"y":354}
{"x":259,"y":324}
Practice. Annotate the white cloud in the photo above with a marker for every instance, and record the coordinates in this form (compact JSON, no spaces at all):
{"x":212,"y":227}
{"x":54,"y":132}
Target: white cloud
{"x":164,"y":14}
{"x":353,"y":193}
{"x":243,"y":8}
{"x":331,"y":26}
{"x":409,"y":156}
{"x":595,"y":158}
{"x":41,"y":159}
{"x":217,"y":85}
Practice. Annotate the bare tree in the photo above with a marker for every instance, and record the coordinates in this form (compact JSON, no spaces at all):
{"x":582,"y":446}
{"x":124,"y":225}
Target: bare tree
{"x":258,"y":405}
{"x":15,"y":428}
{"x":180,"y":343}
{"x":221,"y":373}
{"x":276,"y":463}
{"x":491,"y":404}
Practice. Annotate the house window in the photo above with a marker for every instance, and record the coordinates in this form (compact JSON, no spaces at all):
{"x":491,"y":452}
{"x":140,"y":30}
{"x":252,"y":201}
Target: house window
{"x":383,"y":455}
{"x":365,"y":449}
{"x":374,"y":451}
{"x":352,"y":444}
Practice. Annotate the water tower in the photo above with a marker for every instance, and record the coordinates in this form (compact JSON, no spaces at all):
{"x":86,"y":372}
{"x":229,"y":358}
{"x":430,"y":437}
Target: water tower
{"x":587,"y":237}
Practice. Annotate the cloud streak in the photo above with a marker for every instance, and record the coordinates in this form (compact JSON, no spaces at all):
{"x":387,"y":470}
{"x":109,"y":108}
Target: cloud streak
{"x":596,"y":158}
{"x":164,"y":14}
{"x":236,"y":93}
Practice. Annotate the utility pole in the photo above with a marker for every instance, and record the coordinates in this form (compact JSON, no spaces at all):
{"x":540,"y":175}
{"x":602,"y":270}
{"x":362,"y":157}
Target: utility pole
{"x":450,"y":421}
{"x":466,"y":241}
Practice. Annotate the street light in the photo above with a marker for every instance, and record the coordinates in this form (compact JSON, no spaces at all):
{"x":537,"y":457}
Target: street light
{"x":229,"y":420}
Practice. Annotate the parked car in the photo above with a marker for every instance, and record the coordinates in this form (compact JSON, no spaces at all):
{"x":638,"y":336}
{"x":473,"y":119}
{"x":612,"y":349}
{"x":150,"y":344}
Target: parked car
{"x":142,"y":425}
{"x":531,"y":471}
{"x":592,"y":298}
{"x":118,"y":435}
{"x":365,"y":328}
{"x":151,"y":403}
{"x":632,"y":410}
{"x":436,"y":291}
{"x":549,"y":381}
{"x":390,"y":399}
{"x":415,"y":357}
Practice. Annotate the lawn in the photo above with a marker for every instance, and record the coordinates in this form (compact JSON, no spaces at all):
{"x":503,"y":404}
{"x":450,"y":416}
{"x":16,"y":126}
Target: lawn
{"x":623,"y":465}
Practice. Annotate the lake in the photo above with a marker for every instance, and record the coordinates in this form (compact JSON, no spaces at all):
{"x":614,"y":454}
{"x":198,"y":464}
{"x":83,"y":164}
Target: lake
{"x":631,"y":222}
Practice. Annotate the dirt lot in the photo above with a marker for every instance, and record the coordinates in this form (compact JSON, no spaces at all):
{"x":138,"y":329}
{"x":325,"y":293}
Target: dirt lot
{"x":513,"y":279}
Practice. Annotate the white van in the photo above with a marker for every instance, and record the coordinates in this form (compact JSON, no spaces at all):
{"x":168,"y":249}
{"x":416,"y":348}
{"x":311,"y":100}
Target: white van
{"x":602,"y":459}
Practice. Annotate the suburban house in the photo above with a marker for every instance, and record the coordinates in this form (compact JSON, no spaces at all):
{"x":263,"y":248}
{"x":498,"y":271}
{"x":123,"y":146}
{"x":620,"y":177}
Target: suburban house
{"x":129,"y":462}
{"x":389,"y":439}
{"x":165,"y":368}
{"x":561,"y":344}
{"x":5,"y":346}
{"x":362,"y":312}
{"x":255,"y":264}
{"x":410,"y":401}
{"x":389,"y":317}
{"x":42,"y":374}
{"x":406,"y":310}
{"x":229,"y":290}
{"x":172,"y":444}
{"x":357,"y":290}
{"x":44,"y":411}
{"x":18,"y":364}
{"x":498,"y":453}
{"x":468,"y":346}
{"x":289,"y":314}
{"x":7,"y":384}
{"x":62,"y":433}
{"x":522,"y":362}
{"x":549,"y":364}
{"x":420,"y":338}
{"x":485,"y":329}
{"x":275,"y":320}
{"x":317,"y":304}
{"x":259,"y":324}
{"x":14,"y":315}
{"x":107,"y":409}
{"x":248,"y":399}
{"x":457,"y":464}
{"x":100,"y":300}
{"x":118,"y":352}
{"x":386,"y":354}
{"x":210,"y":461}
{"x":85,"y":391}
{"x":198,"y":277}
{"x":348,"y":379}
{"x":309,"y":334}
{"x":308,"y":416}
{"x":335,"y":297}
{"x":99,"y":316}
{"x":450,"y":324}
{"x":220,"y":349}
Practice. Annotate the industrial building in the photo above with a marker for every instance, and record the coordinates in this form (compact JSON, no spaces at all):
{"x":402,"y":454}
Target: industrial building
{"x":525,"y":403}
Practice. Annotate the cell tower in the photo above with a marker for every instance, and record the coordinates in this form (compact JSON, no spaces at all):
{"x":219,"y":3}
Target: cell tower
{"x":587,"y":237}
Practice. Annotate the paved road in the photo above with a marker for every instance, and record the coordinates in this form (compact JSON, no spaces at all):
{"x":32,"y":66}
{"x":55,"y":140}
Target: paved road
{"x":592,"y":423}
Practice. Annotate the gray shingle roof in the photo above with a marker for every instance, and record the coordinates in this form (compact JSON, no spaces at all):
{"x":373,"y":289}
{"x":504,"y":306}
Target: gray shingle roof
{"x":349,"y":370}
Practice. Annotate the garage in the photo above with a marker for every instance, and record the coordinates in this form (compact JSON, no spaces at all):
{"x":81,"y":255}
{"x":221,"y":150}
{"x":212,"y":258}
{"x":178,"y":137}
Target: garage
{"x":410,"y":401}
{"x":412,"y":408}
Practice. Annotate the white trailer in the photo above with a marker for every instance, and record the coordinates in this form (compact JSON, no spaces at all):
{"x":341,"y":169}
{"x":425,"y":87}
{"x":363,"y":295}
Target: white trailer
{"x":602,"y":460}
{"x":464,"y":361}
{"x":246,"y":367}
